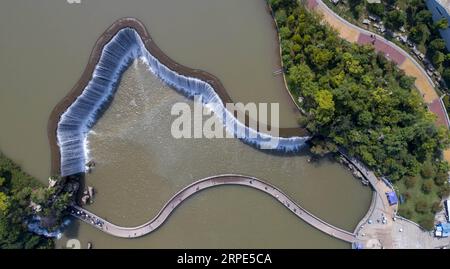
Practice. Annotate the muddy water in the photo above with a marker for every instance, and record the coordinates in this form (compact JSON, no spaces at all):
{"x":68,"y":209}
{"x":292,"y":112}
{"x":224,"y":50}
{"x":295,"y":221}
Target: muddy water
{"x":45,"y":45}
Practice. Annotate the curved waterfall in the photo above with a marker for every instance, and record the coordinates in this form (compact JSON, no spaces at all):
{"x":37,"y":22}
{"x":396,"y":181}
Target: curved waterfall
{"x":116,"y":56}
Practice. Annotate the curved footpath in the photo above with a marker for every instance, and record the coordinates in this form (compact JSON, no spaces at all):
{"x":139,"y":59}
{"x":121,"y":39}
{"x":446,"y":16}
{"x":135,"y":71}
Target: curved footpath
{"x":197,"y":186}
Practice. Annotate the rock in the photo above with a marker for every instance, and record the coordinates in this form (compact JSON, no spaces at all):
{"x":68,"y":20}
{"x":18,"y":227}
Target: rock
{"x":52,"y":182}
{"x":72,"y":187}
{"x":91,"y":191}
{"x":35,"y":207}
{"x":85,"y":199}
{"x":90,"y":164}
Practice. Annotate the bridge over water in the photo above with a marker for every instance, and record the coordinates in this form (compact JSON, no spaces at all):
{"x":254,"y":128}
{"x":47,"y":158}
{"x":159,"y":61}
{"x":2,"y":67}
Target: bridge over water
{"x":198,"y":186}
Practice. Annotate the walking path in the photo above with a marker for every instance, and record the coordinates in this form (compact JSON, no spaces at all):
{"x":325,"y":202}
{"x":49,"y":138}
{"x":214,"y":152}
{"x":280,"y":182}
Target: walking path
{"x":178,"y":198}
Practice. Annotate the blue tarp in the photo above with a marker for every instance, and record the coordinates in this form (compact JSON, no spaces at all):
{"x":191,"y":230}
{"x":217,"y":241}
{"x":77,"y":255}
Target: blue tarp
{"x":443,"y":229}
{"x":358,"y":245}
{"x":392,"y":198}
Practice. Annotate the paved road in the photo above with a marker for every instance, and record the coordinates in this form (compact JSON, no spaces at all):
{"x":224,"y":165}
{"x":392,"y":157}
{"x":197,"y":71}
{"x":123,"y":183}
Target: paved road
{"x":178,"y":198}
{"x":402,"y":58}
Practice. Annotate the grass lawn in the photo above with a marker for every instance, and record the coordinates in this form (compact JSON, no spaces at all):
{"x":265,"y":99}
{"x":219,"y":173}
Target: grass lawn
{"x":414,"y":195}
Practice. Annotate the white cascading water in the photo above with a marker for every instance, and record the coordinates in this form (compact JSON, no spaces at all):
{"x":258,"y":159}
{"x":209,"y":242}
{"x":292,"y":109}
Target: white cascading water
{"x":117,"y":55}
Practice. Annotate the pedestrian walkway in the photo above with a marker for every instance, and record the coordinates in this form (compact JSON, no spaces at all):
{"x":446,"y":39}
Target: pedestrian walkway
{"x":197,"y":186}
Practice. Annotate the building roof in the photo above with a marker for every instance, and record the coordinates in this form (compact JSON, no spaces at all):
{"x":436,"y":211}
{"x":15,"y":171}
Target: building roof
{"x":392,"y":197}
{"x":445,"y":227}
{"x":445,"y":4}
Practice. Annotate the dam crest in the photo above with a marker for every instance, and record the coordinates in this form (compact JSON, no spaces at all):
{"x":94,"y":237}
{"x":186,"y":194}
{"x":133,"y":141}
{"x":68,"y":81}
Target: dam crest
{"x":125,"y":46}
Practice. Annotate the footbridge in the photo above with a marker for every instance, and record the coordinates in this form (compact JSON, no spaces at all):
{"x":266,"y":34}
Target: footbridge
{"x":198,"y":186}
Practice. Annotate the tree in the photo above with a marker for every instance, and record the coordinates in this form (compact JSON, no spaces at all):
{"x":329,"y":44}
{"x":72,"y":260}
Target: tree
{"x":320,"y":149}
{"x":395,"y":19}
{"x":422,"y":207}
{"x":406,"y":82}
{"x":427,"y":186}
{"x":410,"y":182}
{"x":291,"y":19}
{"x":376,"y":9}
{"x":437,"y":44}
{"x":405,"y":212}
{"x":321,"y":57}
{"x":436,"y":207}
{"x":357,"y":10}
{"x":355,"y":98}
{"x":441,"y":24}
{"x":444,"y":191}
{"x":441,"y":178}
{"x":427,"y":170}
{"x":365,"y":118}
{"x":3,"y":203}
{"x":325,"y":106}
{"x":297,"y":39}
{"x":301,"y":79}
{"x":15,"y":210}
{"x":446,"y":75}
{"x":423,"y":17}
{"x":420,"y":33}
{"x":438,"y":58}
{"x":280,"y":16}
{"x":427,"y":222}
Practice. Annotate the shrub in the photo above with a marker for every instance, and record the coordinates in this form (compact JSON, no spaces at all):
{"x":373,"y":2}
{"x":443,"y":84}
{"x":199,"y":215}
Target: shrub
{"x":405,"y":212}
{"x":444,"y":191}
{"x":427,"y":186}
{"x":436,"y":207}
{"x":427,"y":222}
{"x":422,"y":207}
{"x":407,"y":195}
{"x":441,"y":178}
{"x":410,"y":182}
{"x":427,"y":170}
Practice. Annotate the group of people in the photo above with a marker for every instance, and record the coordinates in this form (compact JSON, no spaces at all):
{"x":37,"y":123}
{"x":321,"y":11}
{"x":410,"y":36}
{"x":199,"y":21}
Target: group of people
{"x":374,"y":38}
{"x":82,"y":215}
